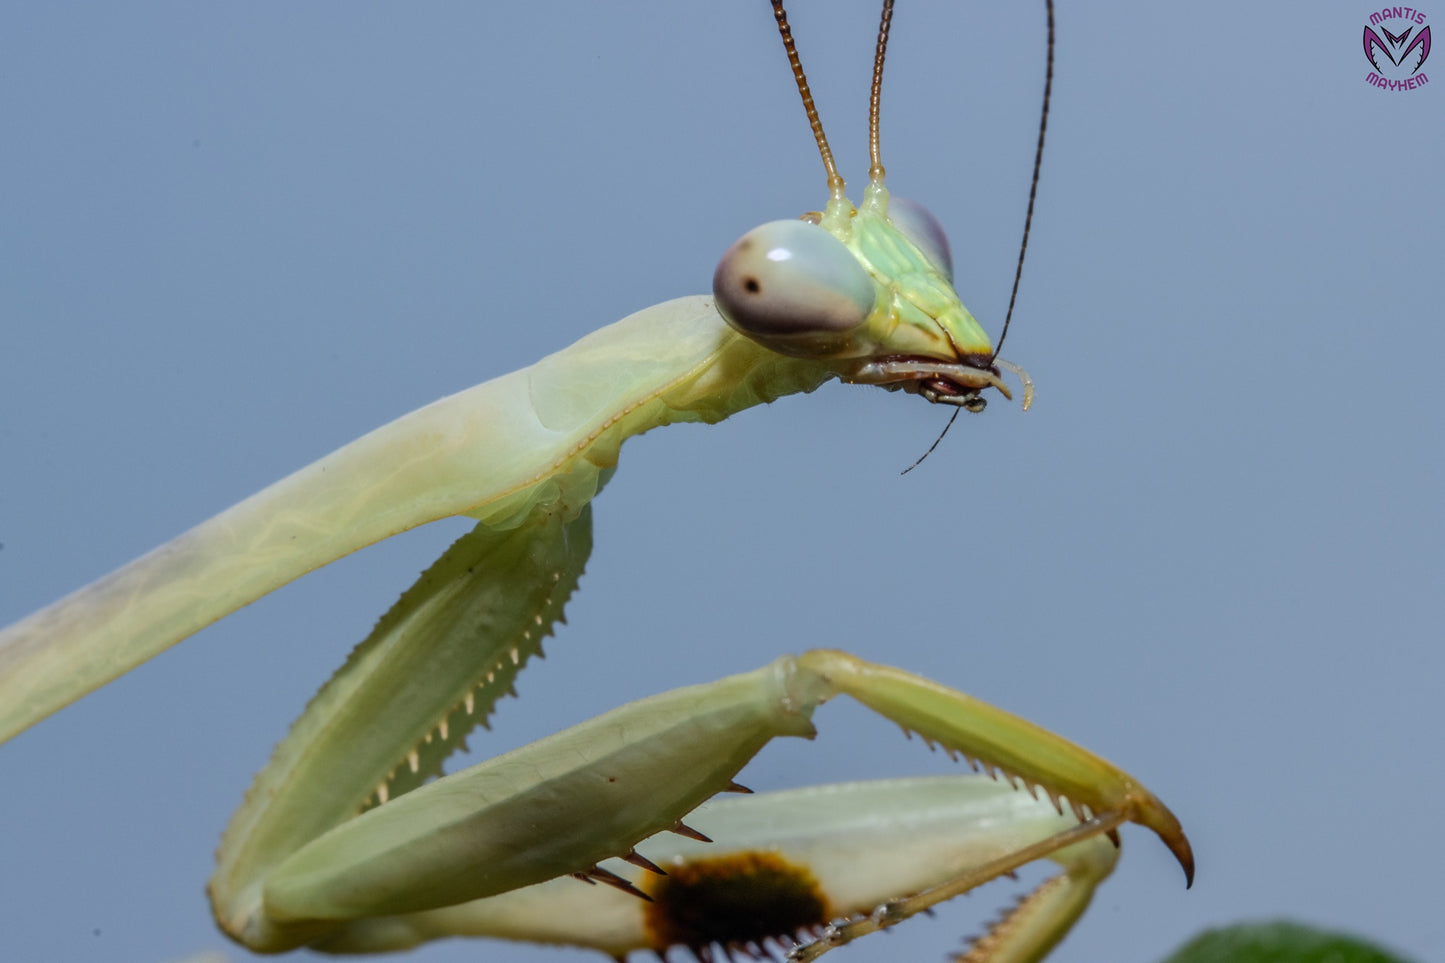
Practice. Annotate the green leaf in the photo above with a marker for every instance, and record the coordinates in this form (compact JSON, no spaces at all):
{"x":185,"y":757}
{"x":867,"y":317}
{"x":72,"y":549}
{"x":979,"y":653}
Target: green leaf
{"x":1279,"y":942}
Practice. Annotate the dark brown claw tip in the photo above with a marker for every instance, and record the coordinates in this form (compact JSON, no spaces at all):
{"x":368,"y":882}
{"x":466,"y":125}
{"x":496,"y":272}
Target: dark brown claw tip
{"x":1185,"y":854}
{"x":1178,"y":844}
{"x":1155,"y":815}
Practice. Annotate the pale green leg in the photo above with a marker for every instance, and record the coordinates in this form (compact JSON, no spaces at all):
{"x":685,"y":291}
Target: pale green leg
{"x":429,"y":672}
{"x":561,"y":805}
{"x":860,"y":843}
{"x":1043,"y":918}
{"x":1102,"y":797}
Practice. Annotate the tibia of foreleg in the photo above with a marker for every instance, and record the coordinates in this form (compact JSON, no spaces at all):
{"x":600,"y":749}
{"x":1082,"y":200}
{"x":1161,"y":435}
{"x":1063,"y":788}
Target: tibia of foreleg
{"x":997,"y":740}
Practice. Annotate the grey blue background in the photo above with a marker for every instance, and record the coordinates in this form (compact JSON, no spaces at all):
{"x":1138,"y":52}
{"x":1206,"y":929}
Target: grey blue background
{"x":233,"y":237}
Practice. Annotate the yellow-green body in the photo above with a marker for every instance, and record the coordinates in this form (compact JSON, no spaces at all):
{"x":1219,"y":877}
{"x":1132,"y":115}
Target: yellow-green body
{"x":353,"y":840}
{"x":342,"y":839}
{"x":536,"y":440}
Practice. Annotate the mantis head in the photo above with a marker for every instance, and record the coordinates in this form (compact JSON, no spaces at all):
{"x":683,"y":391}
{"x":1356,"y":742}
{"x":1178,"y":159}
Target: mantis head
{"x":868,"y":289}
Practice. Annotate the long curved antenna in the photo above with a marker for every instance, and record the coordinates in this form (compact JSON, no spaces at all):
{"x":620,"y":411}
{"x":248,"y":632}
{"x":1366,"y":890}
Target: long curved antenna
{"x":1034,"y":186}
{"x":835,"y":180}
{"x":951,"y":419}
{"x":1028,"y":216}
{"x":875,"y":157}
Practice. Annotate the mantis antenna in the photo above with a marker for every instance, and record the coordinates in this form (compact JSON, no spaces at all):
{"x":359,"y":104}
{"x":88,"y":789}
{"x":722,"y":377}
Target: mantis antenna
{"x":1033,"y":185}
{"x":875,"y":162}
{"x":835,"y":180}
{"x":875,"y":94}
{"x":1028,"y":214}
{"x":876,"y":171}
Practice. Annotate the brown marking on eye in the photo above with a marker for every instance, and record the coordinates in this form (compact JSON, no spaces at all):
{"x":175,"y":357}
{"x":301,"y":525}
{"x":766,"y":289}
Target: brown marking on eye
{"x":752,"y":285}
{"x":734,"y":901}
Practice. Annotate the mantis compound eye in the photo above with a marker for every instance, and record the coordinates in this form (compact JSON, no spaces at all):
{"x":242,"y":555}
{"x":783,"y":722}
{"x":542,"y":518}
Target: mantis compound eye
{"x":918,"y":224}
{"x":794,"y":288}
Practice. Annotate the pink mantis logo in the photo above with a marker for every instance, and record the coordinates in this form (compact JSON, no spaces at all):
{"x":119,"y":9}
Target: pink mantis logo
{"x":1397,"y":59}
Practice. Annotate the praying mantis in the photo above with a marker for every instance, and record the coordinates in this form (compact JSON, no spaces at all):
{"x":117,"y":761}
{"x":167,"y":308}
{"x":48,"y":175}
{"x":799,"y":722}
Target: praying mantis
{"x":821,"y":671}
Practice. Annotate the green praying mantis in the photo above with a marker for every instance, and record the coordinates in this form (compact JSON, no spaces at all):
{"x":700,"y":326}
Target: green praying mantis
{"x":490,"y":850}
